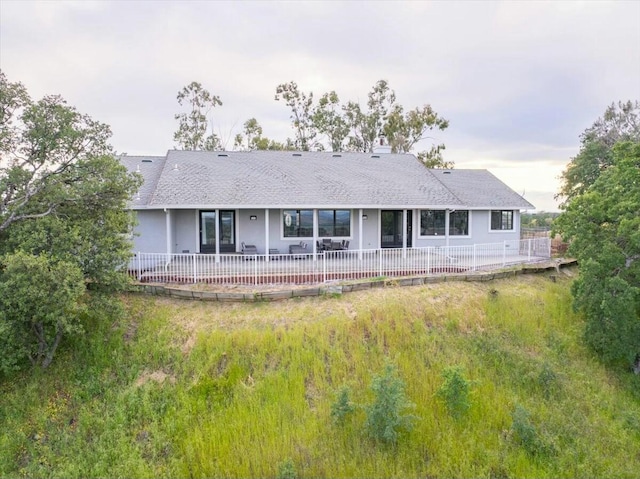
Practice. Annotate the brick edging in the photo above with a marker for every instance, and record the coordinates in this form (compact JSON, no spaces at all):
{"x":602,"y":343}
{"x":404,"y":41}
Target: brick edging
{"x":338,"y":289}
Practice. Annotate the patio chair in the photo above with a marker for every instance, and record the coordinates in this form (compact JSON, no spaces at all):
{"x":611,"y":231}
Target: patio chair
{"x":249,"y":249}
{"x":345,"y":244}
{"x":298,"y":249}
{"x":326,"y":243}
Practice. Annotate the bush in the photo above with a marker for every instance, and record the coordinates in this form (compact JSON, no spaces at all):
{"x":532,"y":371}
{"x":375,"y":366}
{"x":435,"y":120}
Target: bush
{"x":385,"y":418}
{"x":455,"y":391}
{"x":40,"y":302}
{"x":343,"y":406}
{"x":525,"y":433}
{"x":287,"y":470}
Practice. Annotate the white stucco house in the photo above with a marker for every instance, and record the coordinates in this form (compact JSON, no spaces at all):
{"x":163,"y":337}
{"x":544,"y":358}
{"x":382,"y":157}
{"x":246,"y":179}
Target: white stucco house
{"x":213,"y":202}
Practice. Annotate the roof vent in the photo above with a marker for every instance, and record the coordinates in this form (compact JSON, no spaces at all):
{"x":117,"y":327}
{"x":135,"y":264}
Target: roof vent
{"x":222,"y":154}
{"x":147,"y":161}
{"x":175,"y":167}
{"x":337,"y":156}
{"x":297,"y":154}
{"x":375,"y":156}
{"x":446,"y":172}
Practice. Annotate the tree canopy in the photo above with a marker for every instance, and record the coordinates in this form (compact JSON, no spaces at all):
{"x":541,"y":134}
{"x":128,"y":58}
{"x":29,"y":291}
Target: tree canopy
{"x":620,"y":122}
{"x":63,"y":216}
{"x":323,"y":124}
{"x":603,"y":227}
{"x":350,"y":127}
{"x":193,"y":126}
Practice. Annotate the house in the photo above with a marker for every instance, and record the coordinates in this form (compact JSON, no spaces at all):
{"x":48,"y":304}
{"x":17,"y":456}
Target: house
{"x":212,"y":202}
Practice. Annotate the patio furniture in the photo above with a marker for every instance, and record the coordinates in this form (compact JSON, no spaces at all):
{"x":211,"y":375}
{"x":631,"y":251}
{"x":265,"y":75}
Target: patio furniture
{"x":345,"y":244}
{"x":336,"y":245}
{"x":298,"y":249}
{"x":249,"y":249}
{"x":326,"y":243}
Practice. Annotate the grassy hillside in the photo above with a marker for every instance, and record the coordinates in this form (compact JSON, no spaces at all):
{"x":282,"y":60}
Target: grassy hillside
{"x":191,"y":389}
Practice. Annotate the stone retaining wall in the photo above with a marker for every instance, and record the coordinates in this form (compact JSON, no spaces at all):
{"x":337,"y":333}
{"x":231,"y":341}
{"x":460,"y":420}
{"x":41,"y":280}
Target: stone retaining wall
{"x":337,"y":289}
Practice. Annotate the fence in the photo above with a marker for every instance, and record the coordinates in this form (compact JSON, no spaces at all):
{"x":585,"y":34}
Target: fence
{"x":327,"y":266}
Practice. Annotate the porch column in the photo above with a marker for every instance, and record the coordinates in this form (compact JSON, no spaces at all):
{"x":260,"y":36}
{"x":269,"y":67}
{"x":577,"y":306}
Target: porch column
{"x":198,"y":239}
{"x":404,"y":233}
{"x":266,"y":233}
{"x":446,"y":228}
{"x":217,"y":236}
{"x":315,"y":235}
{"x":168,"y":228}
{"x":360,"y":234}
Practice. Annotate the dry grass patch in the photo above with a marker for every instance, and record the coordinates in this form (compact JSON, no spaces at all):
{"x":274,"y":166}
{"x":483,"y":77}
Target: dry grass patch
{"x":154,"y":376}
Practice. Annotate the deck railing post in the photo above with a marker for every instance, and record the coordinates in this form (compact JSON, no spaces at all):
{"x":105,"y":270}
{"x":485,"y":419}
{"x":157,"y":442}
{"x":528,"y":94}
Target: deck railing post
{"x":529,"y":250}
{"x":380,"y":262}
{"x":139,"y":275}
{"x":324,"y":267}
{"x":475,"y":261}
{"x":195,"y":273}
{"x":504,"y":253}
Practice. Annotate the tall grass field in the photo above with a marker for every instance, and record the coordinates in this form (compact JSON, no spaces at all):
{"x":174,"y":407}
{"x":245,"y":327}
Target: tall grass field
{"x":496,"y":379}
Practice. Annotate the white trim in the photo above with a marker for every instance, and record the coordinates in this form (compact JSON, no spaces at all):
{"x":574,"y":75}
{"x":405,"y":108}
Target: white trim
{"x":513,"y":222}
{"x":446,"y":234}
{"x":354,"y":206}
{"x":315,"y":235}
{"x":266,"y":233}
{"x":168,"y":229}
{"x":198,"y":238}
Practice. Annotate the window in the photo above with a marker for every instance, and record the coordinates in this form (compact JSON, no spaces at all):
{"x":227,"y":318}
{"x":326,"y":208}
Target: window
{"x":432,"y":223}
{"x":502,"y":220}
{"x":459,"y":223}
{"x":297,"y":223}
{"x":334,"y":223}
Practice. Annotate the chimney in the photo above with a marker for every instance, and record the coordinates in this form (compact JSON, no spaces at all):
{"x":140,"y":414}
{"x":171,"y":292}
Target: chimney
{"x":382,"y":148}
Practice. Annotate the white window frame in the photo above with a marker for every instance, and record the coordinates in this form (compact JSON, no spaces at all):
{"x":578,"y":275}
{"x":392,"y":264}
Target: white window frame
{"x":513,"y":222}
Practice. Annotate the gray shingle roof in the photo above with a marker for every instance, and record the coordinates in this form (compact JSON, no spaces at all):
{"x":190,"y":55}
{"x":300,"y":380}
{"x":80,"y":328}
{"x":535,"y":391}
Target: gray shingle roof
{"x":479,"y":188}
{"x":312,"y":179}
{"x":150,"y":168}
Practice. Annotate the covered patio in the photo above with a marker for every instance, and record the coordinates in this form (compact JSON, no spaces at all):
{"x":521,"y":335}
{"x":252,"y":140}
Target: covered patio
{"x":330,"y":265}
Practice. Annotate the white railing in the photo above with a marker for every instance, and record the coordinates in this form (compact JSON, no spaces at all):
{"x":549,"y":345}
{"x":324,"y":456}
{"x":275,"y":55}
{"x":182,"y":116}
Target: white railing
{"x":334,"y":265}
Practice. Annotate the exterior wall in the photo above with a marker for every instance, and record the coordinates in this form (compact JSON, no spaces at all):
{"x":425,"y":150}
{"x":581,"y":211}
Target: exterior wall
{"x":479,"y":232}
{"x":185,"y":231}
{"x":252,"y":231}
{"x":371,"y":234}
{"x":151,"y":232}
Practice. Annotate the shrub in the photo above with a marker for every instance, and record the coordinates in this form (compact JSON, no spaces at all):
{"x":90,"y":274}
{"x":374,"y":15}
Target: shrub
{"x":40,"y":302}
{"x":385,"y":418}
{"x":287,"y":470}
{"x":548,"y":381}
{"x":455,"y":391}
{"x":525,"y":433}
{"x":342,"y":407}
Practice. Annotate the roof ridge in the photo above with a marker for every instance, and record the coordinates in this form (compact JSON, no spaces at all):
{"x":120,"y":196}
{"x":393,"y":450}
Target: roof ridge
{"x":430,"y":170}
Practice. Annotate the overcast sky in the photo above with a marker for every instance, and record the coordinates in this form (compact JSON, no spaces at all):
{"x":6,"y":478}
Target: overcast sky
{"x":518,"y":81}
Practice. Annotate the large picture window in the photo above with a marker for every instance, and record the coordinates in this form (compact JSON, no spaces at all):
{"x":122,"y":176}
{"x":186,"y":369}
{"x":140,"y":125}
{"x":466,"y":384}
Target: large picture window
{"x":432,"y":223}
{"x":459,"y":223}
{"x":297,"y":223}
{"x":334,"y":223}
{"x":502,"y":220}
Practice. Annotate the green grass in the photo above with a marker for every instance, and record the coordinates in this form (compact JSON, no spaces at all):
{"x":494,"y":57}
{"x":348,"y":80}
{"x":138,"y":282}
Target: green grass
{"x":191,"y":389}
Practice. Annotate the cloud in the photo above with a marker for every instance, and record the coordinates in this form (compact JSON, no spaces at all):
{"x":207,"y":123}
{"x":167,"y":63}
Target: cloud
{"x":519,"y":81}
